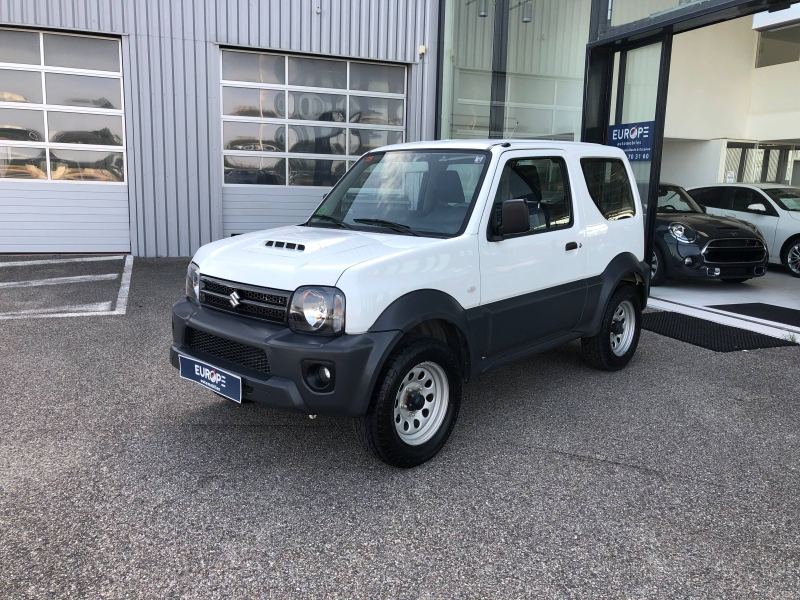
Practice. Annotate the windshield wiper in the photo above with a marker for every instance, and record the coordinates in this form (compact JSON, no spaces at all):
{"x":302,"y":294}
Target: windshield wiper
{"x":390,"y":224}
{"x":329,"y":219}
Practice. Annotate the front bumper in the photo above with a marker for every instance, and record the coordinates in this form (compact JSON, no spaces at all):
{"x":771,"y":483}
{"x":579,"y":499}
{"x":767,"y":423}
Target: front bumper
{"x":356,"y":360}
{"x":699,"y":268}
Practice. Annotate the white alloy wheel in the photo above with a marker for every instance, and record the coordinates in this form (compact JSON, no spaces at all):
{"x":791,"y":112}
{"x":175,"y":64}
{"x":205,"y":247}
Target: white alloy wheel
{"x":623,"y":328}
{"x":654,"y":265}
{"x":421,"y":404}
{"x":793,"y":258}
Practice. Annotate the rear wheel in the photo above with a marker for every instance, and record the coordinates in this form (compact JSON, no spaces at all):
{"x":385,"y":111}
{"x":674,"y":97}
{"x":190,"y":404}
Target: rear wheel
{"x":658,"y":267}
{"x":791,"y":257}
{"x":614,"y":346}
{"x":415,"y":404}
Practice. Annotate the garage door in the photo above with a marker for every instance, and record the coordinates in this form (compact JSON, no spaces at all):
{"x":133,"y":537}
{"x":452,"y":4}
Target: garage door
{"x":62,"y":144}
{"x":293,"y":125}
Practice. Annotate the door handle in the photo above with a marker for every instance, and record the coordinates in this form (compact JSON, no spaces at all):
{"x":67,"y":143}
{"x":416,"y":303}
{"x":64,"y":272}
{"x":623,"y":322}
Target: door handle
{"x":571,"y":246}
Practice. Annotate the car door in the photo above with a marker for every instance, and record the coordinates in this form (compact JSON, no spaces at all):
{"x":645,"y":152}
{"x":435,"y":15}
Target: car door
{"x":533,"y":285}
{"x":744,"y":206}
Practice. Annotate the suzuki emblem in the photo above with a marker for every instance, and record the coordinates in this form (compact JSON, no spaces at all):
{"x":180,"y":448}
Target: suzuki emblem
{"x":235,"y":299}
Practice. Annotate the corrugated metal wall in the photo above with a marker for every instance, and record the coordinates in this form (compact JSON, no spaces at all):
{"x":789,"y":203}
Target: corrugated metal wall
{"x":171,"y":79}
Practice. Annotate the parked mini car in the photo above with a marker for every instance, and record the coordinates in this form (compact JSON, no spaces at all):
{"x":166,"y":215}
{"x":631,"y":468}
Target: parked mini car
{"x":425,"y":266}
{"x":689,"y":243}
{"x":774,"y":209}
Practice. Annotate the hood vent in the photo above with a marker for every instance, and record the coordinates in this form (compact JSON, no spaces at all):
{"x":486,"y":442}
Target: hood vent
{"x":285,"y":245}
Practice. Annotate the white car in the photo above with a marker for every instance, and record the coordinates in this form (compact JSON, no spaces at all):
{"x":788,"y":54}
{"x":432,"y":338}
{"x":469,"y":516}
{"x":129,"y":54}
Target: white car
{"x":425,"y":266}
{"x":773,"y":208}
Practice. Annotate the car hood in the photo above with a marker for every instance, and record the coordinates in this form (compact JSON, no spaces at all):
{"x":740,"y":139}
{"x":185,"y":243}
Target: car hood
{"x":319,"y":256}
{"x":794,"y":214}
{"x":711,"y":225}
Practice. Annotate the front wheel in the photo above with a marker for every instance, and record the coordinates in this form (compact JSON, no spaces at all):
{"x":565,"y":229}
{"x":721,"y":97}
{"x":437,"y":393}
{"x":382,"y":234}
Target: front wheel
{"x":415,"y":404}
{"x":791,"y":257}
{"x":658,"y":267}
{"x":613,"y":347}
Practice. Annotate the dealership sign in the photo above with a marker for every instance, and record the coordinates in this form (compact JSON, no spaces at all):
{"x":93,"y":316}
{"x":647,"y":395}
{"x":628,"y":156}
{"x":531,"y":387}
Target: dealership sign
{"x":635,"y":139}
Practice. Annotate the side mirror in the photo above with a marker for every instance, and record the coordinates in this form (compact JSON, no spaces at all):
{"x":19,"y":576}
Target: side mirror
{"x":325,"y":195}
{"x":514,"y":218}
{"x":758,"y":207}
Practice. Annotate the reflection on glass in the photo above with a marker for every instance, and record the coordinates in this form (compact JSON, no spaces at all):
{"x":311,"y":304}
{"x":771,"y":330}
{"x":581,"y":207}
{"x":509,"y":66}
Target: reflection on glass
{"x":254,"y":170}
{"x":86,"y":165}
{"x":21,"y":47}
{"x":313,"y":106}
{"x":80,"y":52}
{"x":249,"y":66}
{"x":20,"y":86}
{"x":467,"y":71}
{"x":376,"y":111}
{"x":76,"y":128}
{"x":628,"y":11}
{"x":80,"y":90}
{"x":247,"y":102}
{"x":23,"y":163}
{"x":364,"y":140}
{"x":312,"y":72}
{"x":316,"y":140}
{"x":641,"y":84}
{"x":304,"y":171}
{"x":377,"y":78}
{"x":260,"y":137}
{"x":21,"y":125}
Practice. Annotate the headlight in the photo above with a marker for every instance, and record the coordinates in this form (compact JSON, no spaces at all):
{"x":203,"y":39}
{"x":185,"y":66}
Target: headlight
{"x":682,"y":233}
{"x":193,"y":282}
{"x":317,"y":310}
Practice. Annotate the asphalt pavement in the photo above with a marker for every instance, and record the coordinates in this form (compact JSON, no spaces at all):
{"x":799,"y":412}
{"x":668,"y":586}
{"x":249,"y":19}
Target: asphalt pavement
{"x":676,"y":478}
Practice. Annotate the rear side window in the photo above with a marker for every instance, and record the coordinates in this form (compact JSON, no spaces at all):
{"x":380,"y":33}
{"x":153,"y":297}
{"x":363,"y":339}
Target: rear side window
{"x":609,"y":187}
{"x":713,"y":197}
{"x":543,"y":184}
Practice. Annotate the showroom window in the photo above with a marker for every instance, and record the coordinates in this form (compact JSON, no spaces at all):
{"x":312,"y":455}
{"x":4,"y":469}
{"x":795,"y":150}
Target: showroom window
{"x":61,"y":109}
{"x":292,"y":120}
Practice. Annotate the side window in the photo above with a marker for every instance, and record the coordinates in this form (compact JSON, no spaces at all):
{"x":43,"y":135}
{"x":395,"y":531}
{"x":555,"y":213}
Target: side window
{"x":543,"y":184}
{"x":609,"y":187}
{"x":743,"y":197}
{"x":710,"y":197}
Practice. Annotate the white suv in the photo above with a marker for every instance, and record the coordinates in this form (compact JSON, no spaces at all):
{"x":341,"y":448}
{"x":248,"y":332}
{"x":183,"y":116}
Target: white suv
{"x":425,"y":266}
{"x":773,"y":208}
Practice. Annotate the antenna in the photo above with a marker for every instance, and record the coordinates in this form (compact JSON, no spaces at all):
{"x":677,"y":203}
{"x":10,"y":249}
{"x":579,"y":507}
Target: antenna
{"x":513,"y":130}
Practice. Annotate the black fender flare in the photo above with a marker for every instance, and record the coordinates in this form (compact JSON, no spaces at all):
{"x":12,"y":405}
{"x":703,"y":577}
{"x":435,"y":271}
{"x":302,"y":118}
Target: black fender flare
{"x":416,"y":307}
{"x":601,"y":287}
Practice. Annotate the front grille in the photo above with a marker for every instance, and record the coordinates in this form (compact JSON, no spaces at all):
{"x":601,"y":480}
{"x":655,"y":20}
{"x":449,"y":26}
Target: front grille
{"x":251,"y":301}
{"x":239,"y":354}
{"x":734,"y":251}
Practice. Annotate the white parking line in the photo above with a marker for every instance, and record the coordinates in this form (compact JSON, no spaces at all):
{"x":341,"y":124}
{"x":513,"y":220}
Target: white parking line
{"x":85,"y":310}
{"x":78,"y":308}
{"x":55,"y":261}
{"x":57,"y":280}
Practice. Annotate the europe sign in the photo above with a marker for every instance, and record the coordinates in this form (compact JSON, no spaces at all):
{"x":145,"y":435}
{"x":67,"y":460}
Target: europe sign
{"x":635,"y":139}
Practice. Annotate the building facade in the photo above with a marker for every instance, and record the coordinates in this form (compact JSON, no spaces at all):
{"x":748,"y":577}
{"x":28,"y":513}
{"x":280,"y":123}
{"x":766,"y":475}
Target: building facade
{"x":156,"y":126}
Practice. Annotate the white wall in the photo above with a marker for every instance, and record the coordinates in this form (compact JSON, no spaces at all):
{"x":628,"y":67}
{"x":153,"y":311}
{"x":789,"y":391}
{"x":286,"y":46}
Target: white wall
{"x":711,"y":81}
{"x":775,"y":103}
{"x":689,"y":163}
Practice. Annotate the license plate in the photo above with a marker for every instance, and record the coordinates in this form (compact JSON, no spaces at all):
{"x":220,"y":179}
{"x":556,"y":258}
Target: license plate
{"x":211,"y":377}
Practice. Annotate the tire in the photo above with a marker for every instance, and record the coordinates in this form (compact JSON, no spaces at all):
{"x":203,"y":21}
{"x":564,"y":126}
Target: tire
{"x":612,"y":353}
{"x":790,"y":257}
{"x":406,"y":438}
{"x":658,"y":267}
{"x":737,"y":280}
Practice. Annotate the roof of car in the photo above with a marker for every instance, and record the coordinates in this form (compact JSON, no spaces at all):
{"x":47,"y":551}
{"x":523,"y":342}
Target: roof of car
{"x":517,"y":144}
{"x":760,"y":186}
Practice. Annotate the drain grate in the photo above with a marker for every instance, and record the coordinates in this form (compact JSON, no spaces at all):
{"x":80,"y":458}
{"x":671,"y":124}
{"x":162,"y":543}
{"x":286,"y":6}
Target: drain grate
{"x":712,"y":336}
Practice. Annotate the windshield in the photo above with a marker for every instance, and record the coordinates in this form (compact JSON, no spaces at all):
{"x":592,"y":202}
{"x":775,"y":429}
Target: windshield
{"x":428,"y":193}
{"x":676,"y":200}
{"x":787,"y":198}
